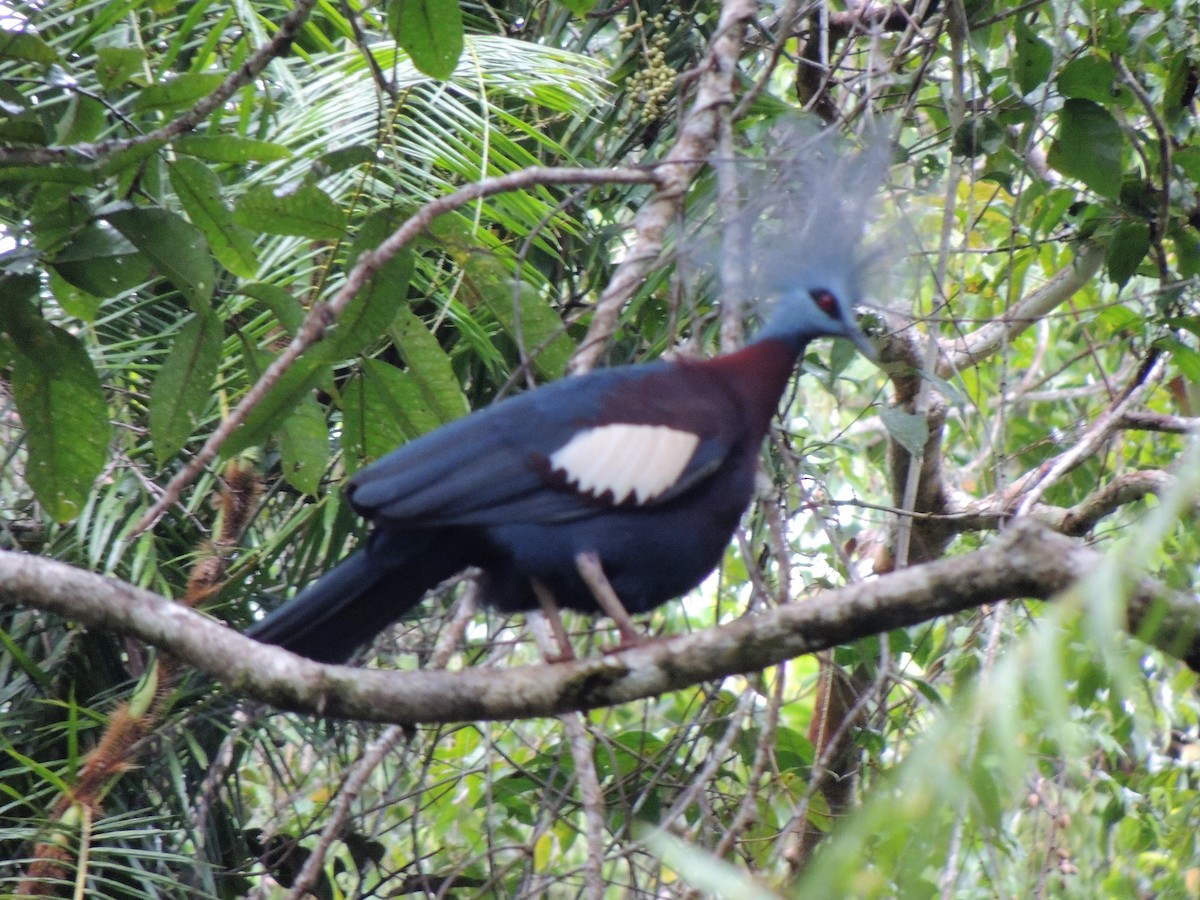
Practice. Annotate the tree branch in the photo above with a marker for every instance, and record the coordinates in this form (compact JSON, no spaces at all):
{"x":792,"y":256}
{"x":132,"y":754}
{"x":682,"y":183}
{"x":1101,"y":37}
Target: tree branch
{"x":1026,"y":561}
{"x":986,"y":340}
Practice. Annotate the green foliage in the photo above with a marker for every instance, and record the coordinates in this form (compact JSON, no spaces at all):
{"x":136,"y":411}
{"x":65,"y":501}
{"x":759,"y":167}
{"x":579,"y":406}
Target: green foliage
{"x":429,"y":31}
{"x":183,"y":389}
{"x":148,"y":279}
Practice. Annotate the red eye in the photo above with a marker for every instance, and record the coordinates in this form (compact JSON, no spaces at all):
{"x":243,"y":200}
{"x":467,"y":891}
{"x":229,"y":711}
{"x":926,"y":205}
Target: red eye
{"x":826,"y":302}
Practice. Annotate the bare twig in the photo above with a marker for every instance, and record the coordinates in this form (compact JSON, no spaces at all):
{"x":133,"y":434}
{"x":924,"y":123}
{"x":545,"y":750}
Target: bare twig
{"x":1034,"y":484}
{"x":1150,"y":421}
{"x":347,"y":793}
{"x":552,"y":647}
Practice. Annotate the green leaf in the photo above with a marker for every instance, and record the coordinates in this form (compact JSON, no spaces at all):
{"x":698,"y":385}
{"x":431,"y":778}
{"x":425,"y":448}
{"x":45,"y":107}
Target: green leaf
{"x":910,"y":430}
{"x":374,"y":307}
{"x":1187,"y":250}
{"x":230,"y":149}
{"x":368,"y":428}
{"x":1188,"y":159}
{"x":400,"y":396}
{"x":199,"y":190}
{"x":182,"y":90}
{"x":286,"y":308}
{"x":304,"y":446}
{"x":1180,"y":87}
{"x":281,"y":400}
{"x":74,"y":300}
{"x":83,"y":120}
{"x":15,"y":291}
{"x":1033,"y":58}
{"x":977,"y":135}
{"x":128,"y":158}
{"x":541,"y":331}
{"x":102,"y":262}
{"x":298,"y":208}
{"x":429,"y":365}
{"x":1089,"y":145}
{"x":1186,"y":360}
{"x":1129,"y":245}
{"x":35,"y":174}
{"x":175,"y":246}
{"x":579,"y":7}
{"x":183,"y":387}
{"x":430,"y":32}
{"x":1088,"y":78}
{"x":61,"y":404}
{"x":25,"y":45}
{"x":384,"y":408}
{"x":345,"y":158}
{"x":117,"y":65}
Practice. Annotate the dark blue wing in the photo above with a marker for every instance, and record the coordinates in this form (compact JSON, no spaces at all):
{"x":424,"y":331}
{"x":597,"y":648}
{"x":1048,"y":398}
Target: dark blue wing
{"x":547,"y":455}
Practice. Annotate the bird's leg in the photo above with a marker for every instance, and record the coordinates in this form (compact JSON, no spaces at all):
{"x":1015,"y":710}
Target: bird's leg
{"x":549,"y":607}
{"x":592,"y":573}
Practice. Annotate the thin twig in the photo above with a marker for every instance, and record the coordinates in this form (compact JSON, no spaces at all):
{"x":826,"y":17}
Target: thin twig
{"x":343,"y":807}
{"x":1034,"y":484}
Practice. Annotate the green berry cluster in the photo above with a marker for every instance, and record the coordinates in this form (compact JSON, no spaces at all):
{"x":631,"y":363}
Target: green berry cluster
{"x":650,"y":87}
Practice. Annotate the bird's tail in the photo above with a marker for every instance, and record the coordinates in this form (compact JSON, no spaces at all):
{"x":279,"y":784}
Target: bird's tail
{"x":353,"y":602}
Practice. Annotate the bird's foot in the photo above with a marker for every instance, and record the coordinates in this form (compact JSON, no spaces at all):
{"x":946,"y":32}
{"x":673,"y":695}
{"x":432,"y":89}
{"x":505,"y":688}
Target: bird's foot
{"x":592,"y":573}
{"x":629,"y":642}
{"x":549,"y":607}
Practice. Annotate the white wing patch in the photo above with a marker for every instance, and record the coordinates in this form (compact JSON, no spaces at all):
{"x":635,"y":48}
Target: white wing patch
{"x":639,"y":460}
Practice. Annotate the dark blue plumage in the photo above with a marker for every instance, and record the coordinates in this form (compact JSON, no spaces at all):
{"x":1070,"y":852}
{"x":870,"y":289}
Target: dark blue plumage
{"x":647,"y":468}
{"x":661,"y":470}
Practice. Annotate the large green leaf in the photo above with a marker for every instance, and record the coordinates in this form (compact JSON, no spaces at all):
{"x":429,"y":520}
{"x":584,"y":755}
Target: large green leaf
{"x":183,"y":387}
{"x":1089,"y":145}
{"x":229,"y":148}
{"x":175,"y":246}
{"x":383,"y":408}
{"x":287,"y":309}
{"x":182,"y":90}
{"x":1033,"y":58}
{"x":117,"y":65}
{"x":1129,"y":245}
{"x":430,"y":32}
{"x":199,"y":190}
{"x":102,"y":262}
{"x":429,"y":366}
{"x":62,"y":406}
{"x":374,"y":307}
{"x":298,"y":208}
{"x":1088,"y":78}
{"x":523,"y":314}
{"x":25,"y":45}
{"x":82,"y":120}
{"x":304,"y":446}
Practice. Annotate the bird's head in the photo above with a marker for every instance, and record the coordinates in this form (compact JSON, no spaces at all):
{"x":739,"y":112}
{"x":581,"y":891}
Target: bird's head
{"x":817,"y":307}
{"x":811,"y":254}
